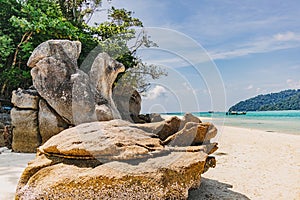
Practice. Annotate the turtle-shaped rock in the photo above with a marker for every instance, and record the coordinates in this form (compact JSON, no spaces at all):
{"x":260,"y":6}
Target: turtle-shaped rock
{"x":106,"y":141}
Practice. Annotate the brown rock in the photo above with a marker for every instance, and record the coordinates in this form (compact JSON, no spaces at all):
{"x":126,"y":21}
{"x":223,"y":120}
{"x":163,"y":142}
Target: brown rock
{"x":26,"y":137}
{"x":102,"y":140}
{"x":162,"y":129}
{"x":165,"y":177}
{"x":113,"y":160}
{"x":192,"y":134}
{"x":2,"y":141}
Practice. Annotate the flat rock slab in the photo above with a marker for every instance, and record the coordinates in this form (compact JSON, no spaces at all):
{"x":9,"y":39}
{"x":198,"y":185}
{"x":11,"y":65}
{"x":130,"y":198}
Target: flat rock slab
{"x":111,"y":140}
{"x":165,"y":177}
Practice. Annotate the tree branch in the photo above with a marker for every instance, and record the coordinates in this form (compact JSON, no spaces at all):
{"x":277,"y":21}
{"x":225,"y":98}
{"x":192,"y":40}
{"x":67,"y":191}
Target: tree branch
{"x":24,"y":39}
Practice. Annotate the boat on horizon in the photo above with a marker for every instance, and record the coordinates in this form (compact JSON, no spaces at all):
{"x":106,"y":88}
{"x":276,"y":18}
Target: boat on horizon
{"x":236,"y":113}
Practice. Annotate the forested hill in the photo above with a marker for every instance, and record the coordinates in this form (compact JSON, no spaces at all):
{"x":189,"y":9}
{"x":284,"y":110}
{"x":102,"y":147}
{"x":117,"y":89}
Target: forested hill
{"x":284,"y":100}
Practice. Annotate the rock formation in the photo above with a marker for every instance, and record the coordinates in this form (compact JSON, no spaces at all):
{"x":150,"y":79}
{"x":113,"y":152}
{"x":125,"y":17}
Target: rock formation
{"x":24,"y":120}
{"x":69,"y":91}
{"x":62,"y":95}
{"x":118,"y":160}
{"x":87,"y":150}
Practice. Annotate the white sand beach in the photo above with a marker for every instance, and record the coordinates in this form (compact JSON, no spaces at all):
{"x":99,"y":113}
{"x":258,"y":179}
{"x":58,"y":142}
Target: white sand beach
{"x":11,"y":168}
{"x":251,"y":164}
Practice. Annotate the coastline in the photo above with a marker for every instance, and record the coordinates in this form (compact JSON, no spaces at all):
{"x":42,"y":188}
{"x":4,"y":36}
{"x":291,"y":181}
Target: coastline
{"x":271,"y":121}
{"x":251,"y":164}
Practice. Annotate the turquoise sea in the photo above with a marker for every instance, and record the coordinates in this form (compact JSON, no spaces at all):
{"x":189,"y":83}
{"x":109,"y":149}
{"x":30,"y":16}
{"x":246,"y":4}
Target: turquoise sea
{"x":271,"y":121}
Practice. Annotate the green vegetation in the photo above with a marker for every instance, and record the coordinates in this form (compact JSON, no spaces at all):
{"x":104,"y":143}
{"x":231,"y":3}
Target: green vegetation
{"x":25,"y":24}
{"x":284,"y":100}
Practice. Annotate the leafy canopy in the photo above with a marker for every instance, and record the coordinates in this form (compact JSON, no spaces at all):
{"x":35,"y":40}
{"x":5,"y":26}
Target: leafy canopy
{"x":25,"y":24}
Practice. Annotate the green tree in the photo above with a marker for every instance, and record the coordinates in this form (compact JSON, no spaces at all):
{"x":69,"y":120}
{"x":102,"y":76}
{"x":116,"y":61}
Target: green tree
{"x":26,"y":24}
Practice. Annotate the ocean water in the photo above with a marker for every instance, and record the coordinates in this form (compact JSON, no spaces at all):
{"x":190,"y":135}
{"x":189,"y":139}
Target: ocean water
{"x":271,"y":121}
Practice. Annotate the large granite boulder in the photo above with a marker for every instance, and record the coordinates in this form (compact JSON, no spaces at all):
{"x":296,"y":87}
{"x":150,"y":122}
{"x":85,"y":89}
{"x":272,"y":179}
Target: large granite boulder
{"x":76,"y":96}
{"x":53,"y":62}
{"x":113,"y":160}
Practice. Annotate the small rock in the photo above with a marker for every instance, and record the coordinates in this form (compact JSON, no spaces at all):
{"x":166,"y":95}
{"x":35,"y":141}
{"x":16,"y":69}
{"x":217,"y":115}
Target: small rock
{"x":28,"y":99}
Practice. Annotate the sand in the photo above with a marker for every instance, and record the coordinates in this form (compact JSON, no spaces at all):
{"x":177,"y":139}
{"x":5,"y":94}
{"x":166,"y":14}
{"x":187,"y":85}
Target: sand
{"x":11,"y":168}
{"x":251,"y":164}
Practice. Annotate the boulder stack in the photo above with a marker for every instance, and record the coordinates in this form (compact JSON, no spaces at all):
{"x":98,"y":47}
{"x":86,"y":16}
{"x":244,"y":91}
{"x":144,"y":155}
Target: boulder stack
{"x":63,"y":95}
{"x":119,"y":160}
{"x":92,"y":143}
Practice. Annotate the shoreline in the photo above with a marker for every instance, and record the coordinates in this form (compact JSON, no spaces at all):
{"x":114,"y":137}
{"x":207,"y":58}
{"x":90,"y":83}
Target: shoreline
{"x":251,"y":164}
{"x":221,"y":122}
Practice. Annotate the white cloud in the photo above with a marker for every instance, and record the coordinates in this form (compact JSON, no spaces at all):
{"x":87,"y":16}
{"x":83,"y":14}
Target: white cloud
{"x":278,"y":41}
{"x":249,"y":87}
{"x":156,"y":92}
{"x":293,"y":84}
{"x":288,"y":36}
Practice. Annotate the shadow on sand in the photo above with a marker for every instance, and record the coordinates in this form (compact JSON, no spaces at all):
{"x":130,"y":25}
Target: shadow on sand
{"x":214,"y":190}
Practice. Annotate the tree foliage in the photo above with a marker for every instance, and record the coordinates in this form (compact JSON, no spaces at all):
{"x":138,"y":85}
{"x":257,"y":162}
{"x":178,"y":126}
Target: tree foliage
{"x":284,"y":100}
{"x":25,"y":24}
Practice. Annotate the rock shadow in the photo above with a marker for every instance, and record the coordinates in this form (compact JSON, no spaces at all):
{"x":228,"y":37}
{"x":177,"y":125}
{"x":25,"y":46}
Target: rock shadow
{"x":215,"y":190}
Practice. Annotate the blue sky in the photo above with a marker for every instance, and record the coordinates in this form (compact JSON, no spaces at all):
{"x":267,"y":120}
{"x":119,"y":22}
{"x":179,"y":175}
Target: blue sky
{"x":254,"y":45}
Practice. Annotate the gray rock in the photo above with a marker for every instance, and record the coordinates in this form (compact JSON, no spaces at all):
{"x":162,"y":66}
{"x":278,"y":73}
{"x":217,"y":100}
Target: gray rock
{"x":53,"y":62}
{"x":2,"y":125}
{"x":50,"y":123}
{"x":128,"y":103}
{"x":103,"y":73}
{"x":28,"y":99}
{"x":26,"y":137}
{"x":155,"y":117}
{"x":83,"y":102}
{"x":58,"y":49}
{"x":51,"y":78}
{"x":70,"y":91}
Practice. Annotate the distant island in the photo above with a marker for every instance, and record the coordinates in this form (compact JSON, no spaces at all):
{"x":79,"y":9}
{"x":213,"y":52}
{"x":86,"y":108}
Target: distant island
{"x":284,"y":100}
